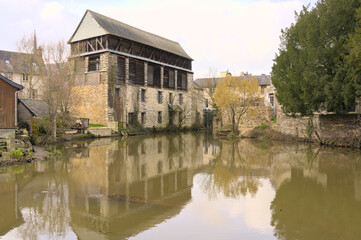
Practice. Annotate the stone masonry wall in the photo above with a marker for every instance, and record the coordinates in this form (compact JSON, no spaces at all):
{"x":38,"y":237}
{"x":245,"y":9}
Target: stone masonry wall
{"x":333,"y":129}
{"x":101,"y":104}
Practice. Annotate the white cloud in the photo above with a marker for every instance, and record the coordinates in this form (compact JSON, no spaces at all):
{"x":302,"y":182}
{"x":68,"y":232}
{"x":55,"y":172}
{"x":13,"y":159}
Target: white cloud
{"x":51,"y":10}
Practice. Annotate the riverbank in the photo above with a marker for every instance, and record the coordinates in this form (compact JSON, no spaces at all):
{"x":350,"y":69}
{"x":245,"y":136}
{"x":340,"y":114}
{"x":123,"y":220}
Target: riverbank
{"x":267,"y":132}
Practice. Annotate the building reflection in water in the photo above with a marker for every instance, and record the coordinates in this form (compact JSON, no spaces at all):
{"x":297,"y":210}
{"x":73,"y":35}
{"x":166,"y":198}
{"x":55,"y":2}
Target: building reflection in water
{"x":111,"y":188}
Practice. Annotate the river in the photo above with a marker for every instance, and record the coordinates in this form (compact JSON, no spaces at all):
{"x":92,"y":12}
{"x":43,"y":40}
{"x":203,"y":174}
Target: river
{"x":183,"y":186}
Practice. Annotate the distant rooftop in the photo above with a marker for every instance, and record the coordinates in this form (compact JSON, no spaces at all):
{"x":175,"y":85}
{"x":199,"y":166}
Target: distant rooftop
{"x":263,"y":80}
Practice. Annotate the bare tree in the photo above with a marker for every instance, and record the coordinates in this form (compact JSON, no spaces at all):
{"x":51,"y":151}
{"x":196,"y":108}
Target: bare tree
{"x":57,"y":80}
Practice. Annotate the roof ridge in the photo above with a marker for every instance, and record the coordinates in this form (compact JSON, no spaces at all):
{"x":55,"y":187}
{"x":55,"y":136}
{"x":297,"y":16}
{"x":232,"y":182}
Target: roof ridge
{"x":15,"y":52}
{"x":91,"y":11}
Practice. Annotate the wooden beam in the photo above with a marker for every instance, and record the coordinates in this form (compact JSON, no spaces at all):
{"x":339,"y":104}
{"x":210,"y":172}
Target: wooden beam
{"x":130,"y":49}
{"x":89,"y":44}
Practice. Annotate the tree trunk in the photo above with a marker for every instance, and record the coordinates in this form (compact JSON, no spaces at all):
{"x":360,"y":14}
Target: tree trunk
{"x":54,"y":128}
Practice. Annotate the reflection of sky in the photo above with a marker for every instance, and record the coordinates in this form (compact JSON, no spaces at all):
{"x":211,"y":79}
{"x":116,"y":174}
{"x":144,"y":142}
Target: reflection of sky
{"x":219,"y":218}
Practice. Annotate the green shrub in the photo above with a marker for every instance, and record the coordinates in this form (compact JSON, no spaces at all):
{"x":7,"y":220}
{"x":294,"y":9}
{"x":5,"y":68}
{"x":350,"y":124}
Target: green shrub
{"x":16,"y":154}
{"x":262,"y":126}
{"x":95,"y":125}
{"x":274,"y":119}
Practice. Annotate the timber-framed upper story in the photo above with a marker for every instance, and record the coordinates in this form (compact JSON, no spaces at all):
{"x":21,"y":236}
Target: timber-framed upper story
{"x":97,"y":33}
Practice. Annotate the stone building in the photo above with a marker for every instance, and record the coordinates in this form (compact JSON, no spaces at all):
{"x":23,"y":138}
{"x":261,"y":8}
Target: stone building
{"x":23,"y":68}
{"x":125,"y":74}
{"x":260,"y":114}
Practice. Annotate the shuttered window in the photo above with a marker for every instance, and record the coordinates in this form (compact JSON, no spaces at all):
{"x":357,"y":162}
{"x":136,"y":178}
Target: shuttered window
{"x":182,"y":80}
{"x":166,"y":78}
{"x":121,"y":70}
{"x":136,"y":72}
{"x":94,"y":64}
{"x":153,"y":75}
{"x":171,"y":79}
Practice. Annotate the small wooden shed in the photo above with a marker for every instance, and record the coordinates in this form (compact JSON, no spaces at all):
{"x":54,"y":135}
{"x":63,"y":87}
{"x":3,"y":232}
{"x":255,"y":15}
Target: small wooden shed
{"x":8,"y":103}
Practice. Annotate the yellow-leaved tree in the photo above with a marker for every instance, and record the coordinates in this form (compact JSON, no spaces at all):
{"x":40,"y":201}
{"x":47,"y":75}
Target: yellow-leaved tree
{"x":234,"y":96}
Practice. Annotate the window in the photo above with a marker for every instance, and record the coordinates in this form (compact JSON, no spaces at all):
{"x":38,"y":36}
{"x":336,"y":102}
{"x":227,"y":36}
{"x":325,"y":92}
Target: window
{"x":171,"y":79}
{"x":170,"y":98}
{"x":153,"y":75}
{"x":143,"y":118}
{"x":121,"y":70}
{"x":159,"y":117}
{"x":132,"y":118}
{"x":7,"y":61}
{"x":117,"y":90}
{"x":160,"y":97}
{"x":182,"y":80}
{"x":25,"y":77}
{"x":206,"y":103}
{"x":180,"y":99}
{"x":142,"y":95}
{"x":94,"y":64}
{"x":32,"y":94}
{"x":271,"y":99}
{"x":166,"y":78}
{"x":136,"y":72}
{"x":9,"y":75}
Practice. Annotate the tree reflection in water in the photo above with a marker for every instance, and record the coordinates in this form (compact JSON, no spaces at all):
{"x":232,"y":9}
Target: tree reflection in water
{"x":230,"y":173}
{"x":46,"y":210}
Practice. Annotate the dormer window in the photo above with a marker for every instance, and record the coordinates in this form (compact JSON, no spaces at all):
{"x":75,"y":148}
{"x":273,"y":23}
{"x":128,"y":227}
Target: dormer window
{"x":25,"y":77}
{"x":94,"y":64}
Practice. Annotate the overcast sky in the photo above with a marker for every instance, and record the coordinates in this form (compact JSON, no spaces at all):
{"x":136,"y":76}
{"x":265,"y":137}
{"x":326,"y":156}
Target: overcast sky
{"x":238,"y":35}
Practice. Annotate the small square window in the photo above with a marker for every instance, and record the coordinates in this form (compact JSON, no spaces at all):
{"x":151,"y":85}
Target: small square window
{"x":142,"y":95}
{"x":143,"y":118}
{"x":170,"y":98}
{"x":160,"y":97}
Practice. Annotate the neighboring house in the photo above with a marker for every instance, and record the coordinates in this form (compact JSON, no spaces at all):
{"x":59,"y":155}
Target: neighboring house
{"x":23,"y":68}
{"x":8,"y":110}
{"x":29,"y":108}
{"x":126,"y":75}
{"x":208,"y":85}
{"x":258,"y":115}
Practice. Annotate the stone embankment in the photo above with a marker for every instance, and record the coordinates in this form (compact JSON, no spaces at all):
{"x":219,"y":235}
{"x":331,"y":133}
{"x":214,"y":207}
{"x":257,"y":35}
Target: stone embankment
{"x":339,"y":130}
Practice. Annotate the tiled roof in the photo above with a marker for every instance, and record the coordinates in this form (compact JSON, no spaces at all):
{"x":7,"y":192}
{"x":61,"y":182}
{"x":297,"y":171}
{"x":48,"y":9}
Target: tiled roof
{"x":114,"y":27}
{"x":14,"y":61}
{"x":37,"y":107}
{"x":263,"y":80}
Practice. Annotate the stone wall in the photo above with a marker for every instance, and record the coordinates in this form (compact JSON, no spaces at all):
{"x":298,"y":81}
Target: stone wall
{"x":108,"y":102}
{"x":333,"y":129}
{"x":344,"y":130}
{"x":256,"y":116}
{"x":8,"y":136}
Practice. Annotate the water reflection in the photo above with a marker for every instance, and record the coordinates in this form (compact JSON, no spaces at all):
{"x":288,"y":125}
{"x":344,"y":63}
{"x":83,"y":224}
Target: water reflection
{"x":184,"y":186}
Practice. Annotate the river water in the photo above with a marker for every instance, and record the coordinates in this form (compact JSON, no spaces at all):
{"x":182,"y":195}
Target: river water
{"x":183,"y":186}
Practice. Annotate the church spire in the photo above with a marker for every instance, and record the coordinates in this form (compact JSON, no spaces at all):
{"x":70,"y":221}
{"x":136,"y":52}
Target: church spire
{"x":35,"y":47}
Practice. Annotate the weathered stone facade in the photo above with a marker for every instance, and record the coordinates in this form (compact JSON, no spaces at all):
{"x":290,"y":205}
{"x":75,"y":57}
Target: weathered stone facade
{"x":332,"y":129}
{"x":99,"y":101}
